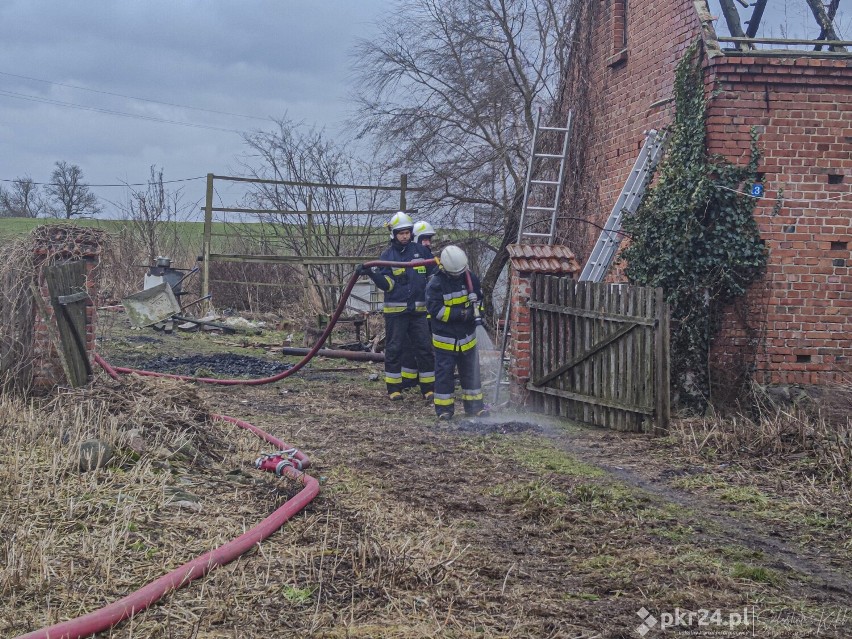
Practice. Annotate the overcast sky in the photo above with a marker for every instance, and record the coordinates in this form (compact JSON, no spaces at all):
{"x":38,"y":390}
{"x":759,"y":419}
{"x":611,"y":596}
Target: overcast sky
{"x":258,"y":58}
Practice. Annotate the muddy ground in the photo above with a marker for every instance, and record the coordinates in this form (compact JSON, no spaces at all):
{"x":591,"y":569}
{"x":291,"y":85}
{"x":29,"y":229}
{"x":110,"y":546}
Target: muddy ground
{"x":512,"y":526}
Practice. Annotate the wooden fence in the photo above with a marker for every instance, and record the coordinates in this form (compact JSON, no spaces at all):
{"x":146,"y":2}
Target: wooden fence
{"x":600,"y":353}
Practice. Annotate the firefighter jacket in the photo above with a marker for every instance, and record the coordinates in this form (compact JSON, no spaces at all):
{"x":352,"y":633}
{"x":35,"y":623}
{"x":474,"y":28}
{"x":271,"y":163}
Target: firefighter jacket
{"x":405,"y":288}
{"x":453,"y":326}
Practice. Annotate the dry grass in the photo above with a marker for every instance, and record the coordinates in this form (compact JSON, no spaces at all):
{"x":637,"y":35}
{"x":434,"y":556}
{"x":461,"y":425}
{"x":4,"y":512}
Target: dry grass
{"x":421,"y":530}
{"x":72,"y":541}
{"x":813,"y":436}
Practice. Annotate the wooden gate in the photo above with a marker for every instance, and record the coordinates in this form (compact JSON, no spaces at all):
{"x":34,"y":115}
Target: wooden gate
{"x":600,"y":353}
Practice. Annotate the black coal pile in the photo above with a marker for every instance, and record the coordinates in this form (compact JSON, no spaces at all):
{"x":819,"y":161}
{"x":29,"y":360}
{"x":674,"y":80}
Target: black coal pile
{"x":225,"y":365}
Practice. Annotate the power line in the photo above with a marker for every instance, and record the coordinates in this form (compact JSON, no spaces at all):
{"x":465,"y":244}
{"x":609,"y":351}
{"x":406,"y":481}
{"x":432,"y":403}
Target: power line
{"x":200,"y":177}
{"x":137,"y":116}
{"x":131,"y":97}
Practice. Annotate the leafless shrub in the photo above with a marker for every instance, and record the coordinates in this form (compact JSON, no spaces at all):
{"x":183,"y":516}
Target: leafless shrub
{"x":21,"y":302}
{"x":814,"y":435}
{"x":17,"y":276}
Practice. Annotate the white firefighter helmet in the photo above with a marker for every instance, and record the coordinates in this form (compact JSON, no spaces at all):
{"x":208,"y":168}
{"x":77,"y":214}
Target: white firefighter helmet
{"x":453,"y":261}
{"x":422,"y":228}
{"x":400,"y":221}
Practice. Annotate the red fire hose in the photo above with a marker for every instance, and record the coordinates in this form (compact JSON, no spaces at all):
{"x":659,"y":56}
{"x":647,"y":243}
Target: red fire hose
{"x":138,"y":601}
{"x":301,"y":363}
{"x":286,"y":461}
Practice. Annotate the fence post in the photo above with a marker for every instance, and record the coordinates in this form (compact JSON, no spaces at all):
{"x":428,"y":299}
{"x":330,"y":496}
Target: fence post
{"x":309,"y":238}
{"x":208,"y":232}
{"x":403,"y":186}
{"x":662,"y":353}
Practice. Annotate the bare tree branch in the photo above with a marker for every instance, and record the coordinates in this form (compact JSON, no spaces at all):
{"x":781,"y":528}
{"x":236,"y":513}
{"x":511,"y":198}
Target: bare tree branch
{"x":449,"y":91}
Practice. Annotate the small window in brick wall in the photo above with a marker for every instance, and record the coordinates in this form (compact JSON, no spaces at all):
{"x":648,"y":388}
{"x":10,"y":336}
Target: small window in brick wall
{"x":835,"y":178}
{"x":619,"y":32}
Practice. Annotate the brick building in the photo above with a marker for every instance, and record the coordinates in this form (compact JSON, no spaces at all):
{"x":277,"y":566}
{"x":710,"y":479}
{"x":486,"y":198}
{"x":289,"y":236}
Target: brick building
{"x":796,"y":324}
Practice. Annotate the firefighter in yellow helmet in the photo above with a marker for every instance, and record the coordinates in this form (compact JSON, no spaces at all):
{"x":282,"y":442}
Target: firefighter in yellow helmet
{"x":406,"y":327}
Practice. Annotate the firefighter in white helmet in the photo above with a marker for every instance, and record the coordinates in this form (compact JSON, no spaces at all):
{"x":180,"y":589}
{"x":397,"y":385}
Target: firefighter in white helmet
{"x":406,"y":328}
{"x":453,"y":300}
{"x":423,"y":233}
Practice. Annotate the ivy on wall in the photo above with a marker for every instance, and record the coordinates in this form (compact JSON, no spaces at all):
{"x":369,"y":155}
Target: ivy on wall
{"x":695,"y":235}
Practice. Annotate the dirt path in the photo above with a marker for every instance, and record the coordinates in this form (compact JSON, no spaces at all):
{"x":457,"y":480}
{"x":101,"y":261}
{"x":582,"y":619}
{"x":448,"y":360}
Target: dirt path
{"x":631,"y":459}
{"x":564,"y":531}
{"x":516,"y":526}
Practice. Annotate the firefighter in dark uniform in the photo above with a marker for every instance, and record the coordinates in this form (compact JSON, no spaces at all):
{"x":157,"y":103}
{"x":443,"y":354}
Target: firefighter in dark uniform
{"x":422,"y":234}
{"x":455,"y":313}
{"x":405,"y":308}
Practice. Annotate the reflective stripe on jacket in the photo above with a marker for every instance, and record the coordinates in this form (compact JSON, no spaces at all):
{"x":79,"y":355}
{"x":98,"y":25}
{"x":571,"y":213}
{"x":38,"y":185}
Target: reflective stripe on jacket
{"x":447,"y":300}
{"x":406,"y":290}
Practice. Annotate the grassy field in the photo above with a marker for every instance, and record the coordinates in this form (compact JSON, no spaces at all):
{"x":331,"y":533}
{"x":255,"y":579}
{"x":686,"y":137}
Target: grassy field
{"x":512,"y":526}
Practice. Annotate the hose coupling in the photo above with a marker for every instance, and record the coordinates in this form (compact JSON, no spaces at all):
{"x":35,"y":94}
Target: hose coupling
{"x":276,"y":462}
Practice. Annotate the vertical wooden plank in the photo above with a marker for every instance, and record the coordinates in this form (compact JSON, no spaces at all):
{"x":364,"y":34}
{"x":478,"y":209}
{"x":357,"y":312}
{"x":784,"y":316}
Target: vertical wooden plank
{"x":556,"y":321}
{"x":572,"y":377}
{"x":562,"y":340}
{"x":583,"y":327}
{"x":619,"y":291}
{"x":601,"y":359}
{"x":607,"y":299}
{"x":403,"y":187}
{"x":627,"y":349}
{"x":601,"y":327}
{"x":617,"y":357}
{"x":663,"y":382}
{"x":629,"y":354}
{"x":66,"y":279}
{"x":541,"y":338}
{"x":588,"y":304}
{"x":648,"y":393}
{"x":205,"y":249}
{"x":535,"y":349}
{"x":594,"y":305}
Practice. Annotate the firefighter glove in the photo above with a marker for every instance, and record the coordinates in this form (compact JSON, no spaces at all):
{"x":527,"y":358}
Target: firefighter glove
{"x":373,"y":274}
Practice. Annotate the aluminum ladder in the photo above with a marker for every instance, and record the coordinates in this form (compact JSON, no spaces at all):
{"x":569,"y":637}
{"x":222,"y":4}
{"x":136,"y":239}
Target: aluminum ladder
{"x":628,"y":201}
{"x":535,"y":216}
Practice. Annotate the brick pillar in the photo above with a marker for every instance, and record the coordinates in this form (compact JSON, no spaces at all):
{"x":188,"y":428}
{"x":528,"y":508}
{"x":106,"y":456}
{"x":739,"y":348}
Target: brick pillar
{"x":525,"y":261}
{"x":519,"y":342}
{"x":52,"y":245}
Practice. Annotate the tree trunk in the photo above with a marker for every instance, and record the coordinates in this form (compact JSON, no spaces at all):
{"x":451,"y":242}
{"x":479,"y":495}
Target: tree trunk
{"x":510,"y":236}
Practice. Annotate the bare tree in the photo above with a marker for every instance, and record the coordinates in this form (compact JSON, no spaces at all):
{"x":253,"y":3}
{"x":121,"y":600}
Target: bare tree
{"x":69,"y":193}
{"x":151,"y":212}
{"x":450,"y":89}
{"x":347,"y":221}
{"x":23,"y":199}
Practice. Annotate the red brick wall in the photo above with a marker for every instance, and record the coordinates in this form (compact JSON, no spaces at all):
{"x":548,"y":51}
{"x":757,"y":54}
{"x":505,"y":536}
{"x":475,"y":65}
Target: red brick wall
{"x":803,"y":111}
{"x":795,"y":325}
{"x":631,"y":91}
